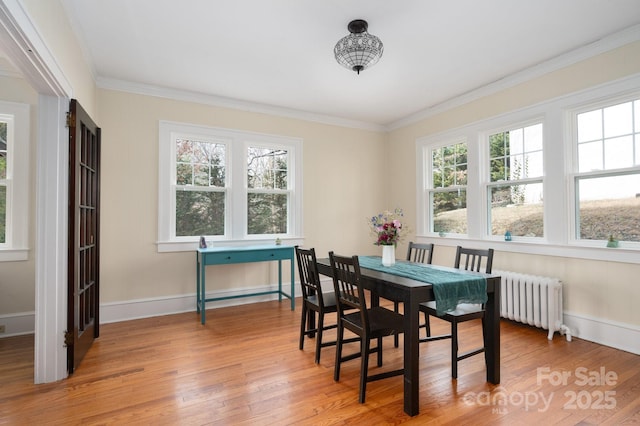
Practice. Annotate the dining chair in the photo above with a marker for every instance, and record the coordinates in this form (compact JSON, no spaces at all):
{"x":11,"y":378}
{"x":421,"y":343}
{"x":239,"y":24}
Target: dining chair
{"x":471,"y":260}
{"x":416,"y":252}
{"x":368,"y":324}
{"x":314,"y":301}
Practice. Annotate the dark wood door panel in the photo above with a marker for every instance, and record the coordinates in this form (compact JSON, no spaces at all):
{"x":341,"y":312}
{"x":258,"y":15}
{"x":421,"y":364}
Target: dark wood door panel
{"x":84,"y":235}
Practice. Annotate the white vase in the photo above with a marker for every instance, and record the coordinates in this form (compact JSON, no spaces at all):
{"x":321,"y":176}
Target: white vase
{"x":388,"y":255}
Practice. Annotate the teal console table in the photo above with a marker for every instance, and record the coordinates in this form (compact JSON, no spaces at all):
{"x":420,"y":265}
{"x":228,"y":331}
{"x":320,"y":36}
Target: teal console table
{"x":229,"y":255}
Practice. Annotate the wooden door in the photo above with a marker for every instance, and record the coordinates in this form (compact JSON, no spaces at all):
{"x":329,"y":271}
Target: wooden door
{"x":84,"y":235}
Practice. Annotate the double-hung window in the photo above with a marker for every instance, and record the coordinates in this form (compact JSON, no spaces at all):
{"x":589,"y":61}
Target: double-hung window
{"x":200,"y":186}
{"x":227,"y":186}
{"x":515,"y":189}
{"x":447,"y":188}
{"x":268,"y":190}
{"x":14,"y":181}
{"x":606,"y":177}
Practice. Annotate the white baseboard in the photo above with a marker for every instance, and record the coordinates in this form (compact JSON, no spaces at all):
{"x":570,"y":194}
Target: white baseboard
{"x":24,"y":322}
{"x":18,"y":324}
{"x":145,"y":308}
{"x":618,"y":335}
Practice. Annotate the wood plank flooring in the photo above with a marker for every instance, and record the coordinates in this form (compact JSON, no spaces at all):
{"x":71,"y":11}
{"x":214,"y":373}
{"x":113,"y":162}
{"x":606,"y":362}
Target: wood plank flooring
{"x":244,"y":368}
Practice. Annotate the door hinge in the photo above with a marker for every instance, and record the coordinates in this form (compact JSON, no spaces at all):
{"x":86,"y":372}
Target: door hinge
{"x":71,"y":120}
{"x":68,"y":338}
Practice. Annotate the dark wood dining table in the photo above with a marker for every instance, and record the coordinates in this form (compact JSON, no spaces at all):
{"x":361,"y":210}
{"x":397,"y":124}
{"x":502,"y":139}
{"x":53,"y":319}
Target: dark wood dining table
{"x":411,"y":293}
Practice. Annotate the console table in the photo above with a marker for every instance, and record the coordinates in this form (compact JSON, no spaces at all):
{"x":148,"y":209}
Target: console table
{"x":229,"y":255}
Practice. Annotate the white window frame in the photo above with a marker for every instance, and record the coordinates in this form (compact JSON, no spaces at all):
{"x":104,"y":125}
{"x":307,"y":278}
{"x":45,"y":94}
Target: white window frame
{"x":236,"y":184}
{"x":427,"y":187}
{"x":488,"y":184}
{"x":574,"y":174}
{"x":558,"y":163}
{"x":16,"y":246}
{"x":289,"y":191}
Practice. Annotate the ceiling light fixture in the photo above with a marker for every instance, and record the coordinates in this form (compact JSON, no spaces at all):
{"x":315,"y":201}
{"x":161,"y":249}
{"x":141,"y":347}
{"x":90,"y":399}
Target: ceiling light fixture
{"x":359,"y":50}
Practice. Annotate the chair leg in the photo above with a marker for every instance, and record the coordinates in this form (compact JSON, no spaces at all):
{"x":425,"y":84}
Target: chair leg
{"x":427,"y":324}
{"x":303,"y":324}
{"x":395,"y":335}
{"x":454,"y":350}
{"x":379,"y":351}
{"x":336,"y":369}
{"x":365,"y":347}
{"x":319,"y":336}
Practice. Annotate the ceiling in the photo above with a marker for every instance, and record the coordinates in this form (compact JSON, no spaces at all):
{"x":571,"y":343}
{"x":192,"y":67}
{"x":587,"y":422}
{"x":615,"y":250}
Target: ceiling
{"x":278,"y":54}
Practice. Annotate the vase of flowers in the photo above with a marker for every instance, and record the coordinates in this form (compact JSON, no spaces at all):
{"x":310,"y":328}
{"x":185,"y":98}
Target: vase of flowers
{"x":388,"y":230}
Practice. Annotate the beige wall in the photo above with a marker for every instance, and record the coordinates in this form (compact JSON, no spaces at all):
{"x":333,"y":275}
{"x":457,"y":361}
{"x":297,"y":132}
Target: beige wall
{"x":342,"y":181}
{"x":17,"y":279}
{"x":599,"y":289}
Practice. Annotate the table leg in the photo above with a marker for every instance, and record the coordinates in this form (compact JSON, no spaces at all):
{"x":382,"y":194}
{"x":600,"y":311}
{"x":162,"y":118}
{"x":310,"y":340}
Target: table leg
{"x":280,"y":280}
{"x":411,"y":357}
{"x":491,"y":324}
{"x":203,"y":290}
{"x":293,"y":288}
{"x":197,"y":282}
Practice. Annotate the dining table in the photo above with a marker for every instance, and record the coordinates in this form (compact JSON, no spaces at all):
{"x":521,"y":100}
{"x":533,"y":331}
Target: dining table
{"x":385,"y":282}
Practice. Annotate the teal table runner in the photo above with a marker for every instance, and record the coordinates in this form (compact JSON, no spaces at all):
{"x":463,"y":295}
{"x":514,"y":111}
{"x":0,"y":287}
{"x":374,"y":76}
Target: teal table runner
{"x":449,"y":288}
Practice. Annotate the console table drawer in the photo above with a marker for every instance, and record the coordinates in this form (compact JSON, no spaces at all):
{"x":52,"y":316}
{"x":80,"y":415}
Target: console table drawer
{"x":228,"y":257}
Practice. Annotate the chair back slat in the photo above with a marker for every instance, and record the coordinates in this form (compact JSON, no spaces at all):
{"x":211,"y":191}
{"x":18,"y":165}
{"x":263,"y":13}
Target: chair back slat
{"x":309,"y":277}
{"x":347,"y":286}
{"x":421,"y":253}
{"x":473,"y":259}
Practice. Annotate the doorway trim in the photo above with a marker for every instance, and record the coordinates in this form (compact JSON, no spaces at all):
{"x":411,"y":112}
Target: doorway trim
{"x":30,"y":54}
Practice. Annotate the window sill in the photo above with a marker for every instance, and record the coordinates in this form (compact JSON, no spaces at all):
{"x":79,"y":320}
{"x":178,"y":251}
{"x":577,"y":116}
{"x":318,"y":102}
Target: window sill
{"x":181,"y":246}
{"x":14,"y":255}
{"x":623,"y":254}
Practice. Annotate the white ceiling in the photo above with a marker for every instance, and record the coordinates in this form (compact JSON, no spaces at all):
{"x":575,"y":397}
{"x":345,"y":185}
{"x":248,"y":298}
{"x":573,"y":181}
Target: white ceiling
{"x":279,"y":53}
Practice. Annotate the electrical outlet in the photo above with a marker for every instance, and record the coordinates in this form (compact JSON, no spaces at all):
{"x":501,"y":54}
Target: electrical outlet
{"x":2,"y":329}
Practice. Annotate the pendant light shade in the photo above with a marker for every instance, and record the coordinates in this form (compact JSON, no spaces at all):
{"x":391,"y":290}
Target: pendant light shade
{"x":359,"y":50}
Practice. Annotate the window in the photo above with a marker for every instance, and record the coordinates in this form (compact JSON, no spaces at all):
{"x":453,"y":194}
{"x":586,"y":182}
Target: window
{"x":267,"y":190}
{"x":200,"y":189}
{"x":563,"y":176}
{"x":448,"y":189}
{"x":227,"y":186}
{"x":607,"y":182}
{"x":515,"y":182}
{"x":14,"y":181}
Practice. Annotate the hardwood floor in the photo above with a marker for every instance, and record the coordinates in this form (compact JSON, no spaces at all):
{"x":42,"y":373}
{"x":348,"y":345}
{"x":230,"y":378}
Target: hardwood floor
{"x":244,"y":367}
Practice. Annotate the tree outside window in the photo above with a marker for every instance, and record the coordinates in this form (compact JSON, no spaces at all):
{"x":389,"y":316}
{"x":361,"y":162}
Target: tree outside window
{"x":448,"y":193}
{"x":200,"y":187}
{"x":515,"y":188}
{"x":267,"y":190}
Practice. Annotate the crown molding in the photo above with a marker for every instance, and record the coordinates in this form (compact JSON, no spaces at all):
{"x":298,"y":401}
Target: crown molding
{"x":603,"y":45}
{"x":224,"y":102}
